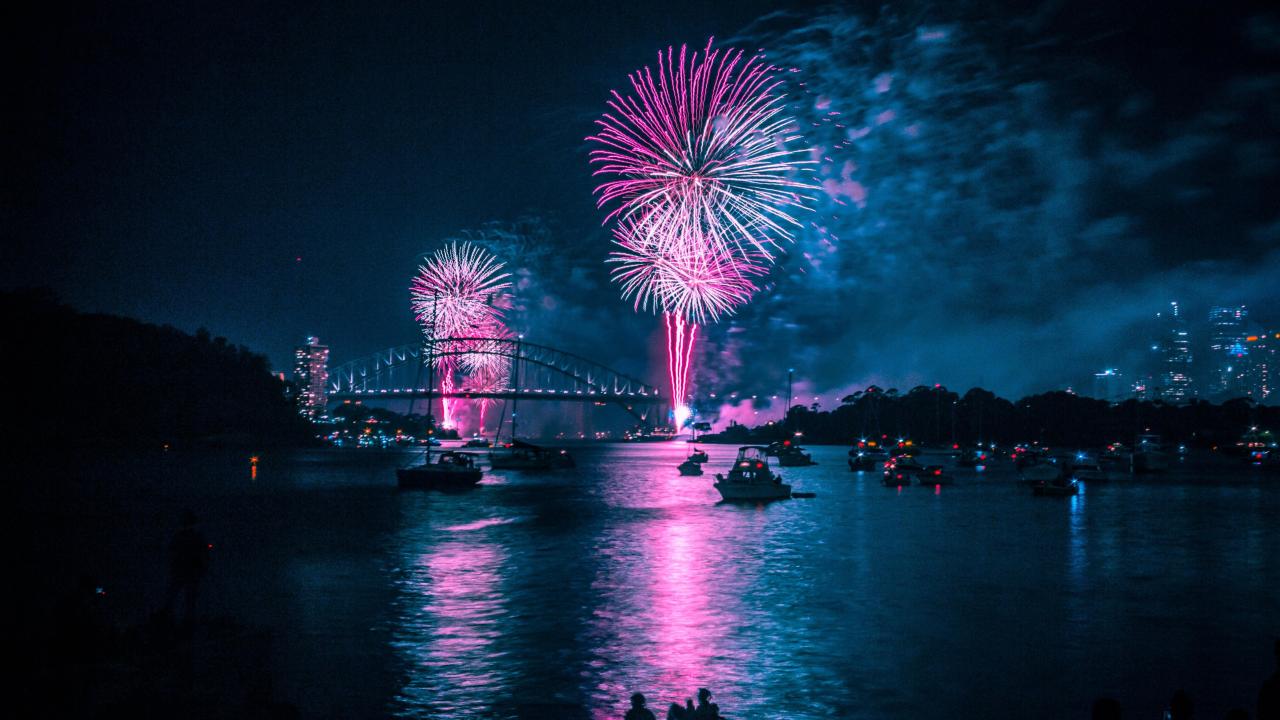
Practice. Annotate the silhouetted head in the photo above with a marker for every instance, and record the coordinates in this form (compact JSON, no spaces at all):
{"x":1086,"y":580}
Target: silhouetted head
{"x":703,"y":694}
{"x":637,"y":700}
{"x":1181,"y":707}
{"x":188,"y":518}
{"x":1106,"y":709}
{"x":1237,"y":714}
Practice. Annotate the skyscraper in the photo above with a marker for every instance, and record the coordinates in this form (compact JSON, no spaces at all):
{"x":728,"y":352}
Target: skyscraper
{"x":311,"y":374}
{"x":1227,"y":365}
{"x":1172,"y":349}
{"x":1262,"y":366}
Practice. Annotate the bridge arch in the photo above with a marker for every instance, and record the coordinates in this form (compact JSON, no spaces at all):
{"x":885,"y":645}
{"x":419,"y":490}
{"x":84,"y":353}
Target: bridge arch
{"x":545,"y":373}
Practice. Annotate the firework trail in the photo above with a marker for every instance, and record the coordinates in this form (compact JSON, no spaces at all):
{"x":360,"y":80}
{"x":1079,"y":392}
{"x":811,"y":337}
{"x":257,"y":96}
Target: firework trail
{"x":702,"y":173}
{"x":459,"y":292}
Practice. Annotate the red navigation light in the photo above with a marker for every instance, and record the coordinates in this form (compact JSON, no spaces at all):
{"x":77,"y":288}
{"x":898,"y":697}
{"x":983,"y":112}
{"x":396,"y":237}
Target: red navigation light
{"x":937,"y":471}
{"x":786,"y":443}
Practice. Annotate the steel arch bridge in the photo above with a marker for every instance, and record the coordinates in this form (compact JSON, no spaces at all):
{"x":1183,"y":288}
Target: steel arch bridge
{"x":538,"y":372}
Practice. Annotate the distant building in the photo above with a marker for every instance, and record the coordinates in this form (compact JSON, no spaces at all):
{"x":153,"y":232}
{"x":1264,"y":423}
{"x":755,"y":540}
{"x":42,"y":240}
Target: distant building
{"x":1227,"y":363}
{"x":1109,"y":385}
{"x":311,"y":375}
{"x":1263,"y":363}
{"x":1172,"y":350}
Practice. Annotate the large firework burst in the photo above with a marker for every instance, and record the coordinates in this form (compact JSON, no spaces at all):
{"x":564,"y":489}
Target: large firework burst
{"x":701,"y":169}
{"x":706,"y":137}
{"x":459,"y":295}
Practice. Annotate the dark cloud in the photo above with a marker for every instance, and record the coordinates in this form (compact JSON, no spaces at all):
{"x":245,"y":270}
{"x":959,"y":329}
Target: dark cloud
{"x":1007,"y":199}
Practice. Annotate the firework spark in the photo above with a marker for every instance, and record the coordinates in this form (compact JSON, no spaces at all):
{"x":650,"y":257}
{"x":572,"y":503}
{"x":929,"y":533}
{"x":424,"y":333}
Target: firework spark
{"x":459,"y":292}
{"x":707,"y":137}
{"x":703,"y":172}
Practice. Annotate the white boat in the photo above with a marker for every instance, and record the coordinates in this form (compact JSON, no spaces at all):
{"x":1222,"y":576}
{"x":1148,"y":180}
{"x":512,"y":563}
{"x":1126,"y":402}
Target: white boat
{"x":750,"y":478}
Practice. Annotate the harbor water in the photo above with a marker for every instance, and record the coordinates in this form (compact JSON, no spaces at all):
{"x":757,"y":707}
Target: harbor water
{"x":573,"y":589}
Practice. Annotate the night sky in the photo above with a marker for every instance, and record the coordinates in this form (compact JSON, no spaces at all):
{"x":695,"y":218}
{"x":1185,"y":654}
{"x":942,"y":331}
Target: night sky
{"x":1008,"y":196}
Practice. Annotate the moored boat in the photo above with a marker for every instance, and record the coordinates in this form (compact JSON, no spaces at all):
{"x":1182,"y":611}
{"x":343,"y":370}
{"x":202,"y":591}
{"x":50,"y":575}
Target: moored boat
{"x":520,"y":455}
{"x":751,"y":479}
{"x":794,"y":456}
{"x":1148,"y":455}
{"x":689,"y":467}
{"x":865,"y":459}
{"x":451,"y":470}
{"x":1059,"y":487}
{"x":698,"y":456}
{"x":901,"y":470}
{"x":933,"y":475}
{"x":1088,"y":471}
{"x":1042,"y":472}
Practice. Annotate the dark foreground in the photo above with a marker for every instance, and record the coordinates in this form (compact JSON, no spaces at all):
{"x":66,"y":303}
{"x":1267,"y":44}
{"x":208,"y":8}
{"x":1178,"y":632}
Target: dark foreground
{"x":330,"y":594}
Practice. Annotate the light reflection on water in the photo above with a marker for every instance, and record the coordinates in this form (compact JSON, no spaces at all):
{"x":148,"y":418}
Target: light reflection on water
{"x":449,"y":625}
{"x":580,"y":588}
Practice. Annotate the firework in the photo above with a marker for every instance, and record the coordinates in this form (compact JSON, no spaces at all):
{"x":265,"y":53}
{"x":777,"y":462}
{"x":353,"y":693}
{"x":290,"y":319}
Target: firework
{"x":708,"y":139}
{"x":459,"y":292}
{"x":681,"y":274}
{"x":702,"y":173}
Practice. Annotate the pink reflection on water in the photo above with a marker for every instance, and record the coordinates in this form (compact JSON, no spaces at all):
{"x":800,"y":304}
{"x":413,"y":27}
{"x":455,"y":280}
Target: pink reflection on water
{"x":673,"y":606}
{"x":449,"y":638}
{"x":480,"y":524}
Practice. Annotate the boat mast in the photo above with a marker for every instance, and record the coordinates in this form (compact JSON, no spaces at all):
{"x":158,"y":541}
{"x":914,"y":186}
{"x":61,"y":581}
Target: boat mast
{"x":429,"y":352}
{"x":516,"y":387}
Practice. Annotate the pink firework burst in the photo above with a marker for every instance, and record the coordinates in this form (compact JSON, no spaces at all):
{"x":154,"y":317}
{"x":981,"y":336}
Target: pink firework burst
{"x":707,"y":137}
{"x":703,"y":169}
{"x":460,"y":289}
{"x":680,"y":273}
{"x":459,"y":292}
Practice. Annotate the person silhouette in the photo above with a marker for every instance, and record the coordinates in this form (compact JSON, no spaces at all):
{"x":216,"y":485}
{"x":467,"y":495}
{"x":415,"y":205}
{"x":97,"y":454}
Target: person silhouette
{"x":638,"y":711}
{"x":188,"y":564}
{"x":1269,"y":694}
{"x":706,"y":709}
{"x":676,"y":712}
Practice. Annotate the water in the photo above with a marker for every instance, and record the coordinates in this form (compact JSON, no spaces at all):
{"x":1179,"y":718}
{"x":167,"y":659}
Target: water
{"x":579,"y":588}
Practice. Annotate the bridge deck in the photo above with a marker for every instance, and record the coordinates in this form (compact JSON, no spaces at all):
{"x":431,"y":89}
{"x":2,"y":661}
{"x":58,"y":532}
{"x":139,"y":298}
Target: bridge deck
{"x":545,"y":395}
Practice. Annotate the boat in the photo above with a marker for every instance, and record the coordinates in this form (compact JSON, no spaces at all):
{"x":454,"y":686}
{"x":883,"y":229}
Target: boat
{"x":698,"y":456}
{"x":863,"y":459}
{"x":477,"y":442}
{"x":901,"y":470}
{"x":794,"y":456}
{"x":451,"y":470}
{"x":689,"y":467}
{"x":520,"y":455}
{"x":1042,"y":473}
{"x":1088,"y":471}
{"x":750,"y":478}
{"x":971,"y":457}
{"x":933,"y":475}
{"x":1148,"y":457}
{"x":1061,"y":487}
